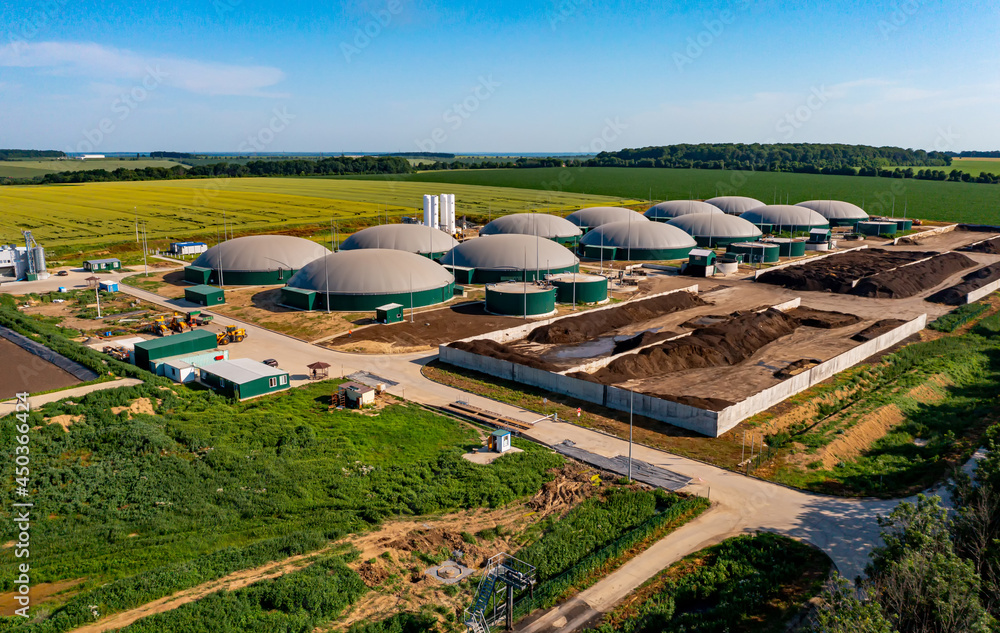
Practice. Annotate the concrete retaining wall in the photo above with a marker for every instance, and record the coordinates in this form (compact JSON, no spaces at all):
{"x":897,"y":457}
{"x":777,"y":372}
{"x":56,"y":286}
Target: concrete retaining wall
{"x":916,"y":236}
{"x":731,"y":416}
{"x":988,"y":289}
{"x":807,"y":260}
{"x":518,"y":332}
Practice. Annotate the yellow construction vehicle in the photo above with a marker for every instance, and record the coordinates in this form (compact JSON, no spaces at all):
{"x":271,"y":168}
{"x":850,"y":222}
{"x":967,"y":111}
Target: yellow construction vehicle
{"x":180,"y":322}
{"x":232,"y":334}
{"x":158,"y":326}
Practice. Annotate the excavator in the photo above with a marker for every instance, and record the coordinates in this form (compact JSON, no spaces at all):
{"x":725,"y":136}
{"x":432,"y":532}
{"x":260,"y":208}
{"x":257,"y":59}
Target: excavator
{"x":158,"y":326}
{"x":232,"y":334}
{"x":181,"y":322}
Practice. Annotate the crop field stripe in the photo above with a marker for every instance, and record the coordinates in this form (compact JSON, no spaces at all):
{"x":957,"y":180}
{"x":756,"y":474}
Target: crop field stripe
{"x":76,"y":214}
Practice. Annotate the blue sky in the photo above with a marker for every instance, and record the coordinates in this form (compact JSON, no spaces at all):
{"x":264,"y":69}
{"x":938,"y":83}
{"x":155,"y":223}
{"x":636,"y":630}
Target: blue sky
{"x":543,"y":76}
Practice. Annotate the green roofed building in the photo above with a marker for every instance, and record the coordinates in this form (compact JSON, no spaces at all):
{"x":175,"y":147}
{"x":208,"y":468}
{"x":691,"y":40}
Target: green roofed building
{"x":243,"y":378}
{"x":256,"y":260}
{"x":299,"y":298}
{"x":367,"y":279}
{"x":183,"y":344}
{"x":205,"y":295}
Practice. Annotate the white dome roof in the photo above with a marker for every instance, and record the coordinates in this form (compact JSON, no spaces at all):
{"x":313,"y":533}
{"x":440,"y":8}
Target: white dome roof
{"x":596,"y":216}
{"x":540,"y":224}
{"x":260,"y":253}
{"x":785,"y":215}
{"x":412,"y":238}
{"x":735,"y":205}
{"x":653,"y":235}
{"x":372,"y":271}
{"x":835,"y":209}
{"x":676,"y":208}
{"x":510,"y":252}
{"x":722,"y":225}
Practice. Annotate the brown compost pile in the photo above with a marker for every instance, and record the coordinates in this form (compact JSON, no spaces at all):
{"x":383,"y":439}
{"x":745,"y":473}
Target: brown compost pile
{"x":955,"y":295}
{"x":911,"y":280}
{"x":591,"y":325}
{"x":839,"y":272}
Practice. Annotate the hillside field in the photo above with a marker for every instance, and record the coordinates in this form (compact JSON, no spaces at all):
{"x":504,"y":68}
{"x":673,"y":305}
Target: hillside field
{"x":932,"y":200}
{"x":104,"y":212}
{"x":32,"y":168}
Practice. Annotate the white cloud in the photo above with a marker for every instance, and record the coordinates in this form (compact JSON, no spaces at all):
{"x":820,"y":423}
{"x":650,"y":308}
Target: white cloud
{"x":109,"y":64}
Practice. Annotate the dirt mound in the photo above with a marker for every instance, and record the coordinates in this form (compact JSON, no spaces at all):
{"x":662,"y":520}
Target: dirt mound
{"x":975,"y":280}
{"x":991,"y":247}
{"x":839,"y":272}
{"x":796,"y":368}
{"x":593,"y":324}
{"x":877,"y":329}
{"x":912,"y":280}
{"x":709,"y":404}
{"x":372,"y":574}
{"x":641,"y":340}
{"x":485,"y":347}
{"x":720,"y":345}
{"x":823,"y":319}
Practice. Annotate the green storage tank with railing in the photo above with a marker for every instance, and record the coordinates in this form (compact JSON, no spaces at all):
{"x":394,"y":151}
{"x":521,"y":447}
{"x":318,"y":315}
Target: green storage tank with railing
{"x":877,"y":228}
{"x":788,"y":247}
{"x":581,"y":287}
{"x":756,"y":252}
{"x":520,"y":299}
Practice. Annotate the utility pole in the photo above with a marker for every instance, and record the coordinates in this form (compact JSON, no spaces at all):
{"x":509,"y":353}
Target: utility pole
{"x":97,"y":292}
{"x":631,"y":406}
{"x":411,"y":296}
{"x":144,"y":249}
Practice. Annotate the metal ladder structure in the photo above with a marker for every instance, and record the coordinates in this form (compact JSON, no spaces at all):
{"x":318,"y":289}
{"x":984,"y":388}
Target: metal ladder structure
{"x":494,"y":601}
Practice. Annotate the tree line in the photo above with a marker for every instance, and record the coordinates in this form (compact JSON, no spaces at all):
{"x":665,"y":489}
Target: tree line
{"x":339,"y":166}
{"x":13,"y":154}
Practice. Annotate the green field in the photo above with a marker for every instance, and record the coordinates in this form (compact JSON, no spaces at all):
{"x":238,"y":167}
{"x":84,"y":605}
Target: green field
{"x":104,"y":212}
{"x":932,"y":200}
{"x":976,"y":165}
{"x":32,"y":168}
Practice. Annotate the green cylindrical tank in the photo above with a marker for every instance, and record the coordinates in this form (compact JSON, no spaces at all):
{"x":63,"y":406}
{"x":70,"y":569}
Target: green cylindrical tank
{"x":877,"y":228}
{"x":789,"y":247}
{"x":754,"y":252}
{"x":588,"y":288}
{"x":519,"y":299}
{"x":903,"y":225}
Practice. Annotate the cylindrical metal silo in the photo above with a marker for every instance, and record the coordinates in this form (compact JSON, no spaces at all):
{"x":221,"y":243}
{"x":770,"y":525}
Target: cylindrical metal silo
{"x":754,"y":252}
{"x":520,"y":299}
{"x":580,"y":287}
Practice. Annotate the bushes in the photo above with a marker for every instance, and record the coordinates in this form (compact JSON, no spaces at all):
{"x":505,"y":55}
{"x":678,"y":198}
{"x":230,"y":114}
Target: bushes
{"x":570,"y":553}
{"x":959,"y":317}
{"x":401,"y":623}
{"x":745,"y":583}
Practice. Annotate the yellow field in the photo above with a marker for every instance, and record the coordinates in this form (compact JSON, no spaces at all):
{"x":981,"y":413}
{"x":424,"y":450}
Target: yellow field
{"x":32,"y":168}
{"x":95,"y":213}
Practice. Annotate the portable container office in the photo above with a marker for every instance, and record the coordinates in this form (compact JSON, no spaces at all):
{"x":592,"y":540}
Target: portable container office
{"x":244,"y":378}
{"x":176,"y":345}
{"x":205,"y":295}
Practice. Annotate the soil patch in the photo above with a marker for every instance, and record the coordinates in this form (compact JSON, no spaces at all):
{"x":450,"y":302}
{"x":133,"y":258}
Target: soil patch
{"x":975,"y":280}
{"x":65,"y":421}
{"x":839,"y":272}
{"x":21,"y":371}
{"x":40,"y":594}
{"x":431,"y":328}
{"x":726,"y":344}
{"x":796,"y":368}
{"x":592,"y":325}
{"x":911,"y":280}
{"x":486,"y":347}
{"x":877,"y":329}
{"x":136,"y":407}
{"x":991,"y":247}
{"x":823,"y":319}
{"x":641,"y":340}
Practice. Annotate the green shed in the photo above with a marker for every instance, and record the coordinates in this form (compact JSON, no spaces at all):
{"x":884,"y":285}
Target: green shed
{"x":462,"y":274}
{"x":243,"y":378}
{"x":299,"y":298}
{"x":96,"y":265}
{"x":197,"y":275}
{"x":389,"y":313}
{"x":205,"y":295}
{"x":184,"y":344}
{"x":701,"y":257}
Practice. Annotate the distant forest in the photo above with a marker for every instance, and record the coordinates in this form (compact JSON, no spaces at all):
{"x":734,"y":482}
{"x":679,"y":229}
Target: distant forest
{"x":340,"y":166}
{"x":992,"y":154}
{"x":805,"y":158}
{"x":173,"y":155}
{"x":15,"y":154}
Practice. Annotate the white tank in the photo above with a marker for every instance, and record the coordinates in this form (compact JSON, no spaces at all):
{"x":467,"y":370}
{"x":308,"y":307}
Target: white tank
{"x":427,"y":210}
{"x":435,"y":212}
